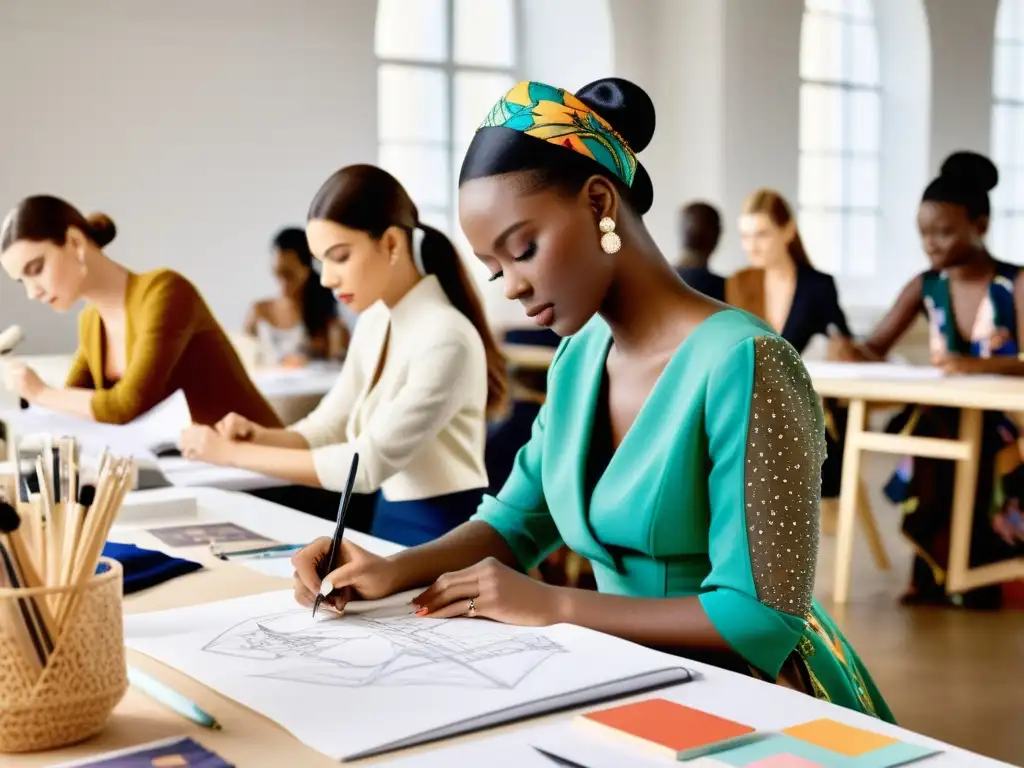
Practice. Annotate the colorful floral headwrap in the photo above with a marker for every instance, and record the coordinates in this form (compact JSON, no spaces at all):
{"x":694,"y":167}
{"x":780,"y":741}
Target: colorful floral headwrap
{"x":558,"y":117}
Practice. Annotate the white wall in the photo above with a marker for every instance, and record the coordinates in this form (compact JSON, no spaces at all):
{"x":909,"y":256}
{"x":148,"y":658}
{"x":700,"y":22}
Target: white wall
{"x":546,"y":54}
{"x":724,"y":75}
{"x":200,"y":127}
{"x":962,"y":39}
{"x":905,"y":59}
{"x":676,"y":51}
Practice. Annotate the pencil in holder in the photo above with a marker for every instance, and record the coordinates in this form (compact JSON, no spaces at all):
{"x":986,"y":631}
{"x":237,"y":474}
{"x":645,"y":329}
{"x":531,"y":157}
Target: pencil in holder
{"x":70,"y":697}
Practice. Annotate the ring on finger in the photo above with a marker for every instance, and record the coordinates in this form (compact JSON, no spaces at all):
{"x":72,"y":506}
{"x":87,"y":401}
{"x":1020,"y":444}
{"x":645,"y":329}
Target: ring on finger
{"x":471,"y":611}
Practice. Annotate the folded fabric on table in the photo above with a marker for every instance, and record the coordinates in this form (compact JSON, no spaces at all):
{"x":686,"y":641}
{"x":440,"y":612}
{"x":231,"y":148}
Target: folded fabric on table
{"x":144,"y":568}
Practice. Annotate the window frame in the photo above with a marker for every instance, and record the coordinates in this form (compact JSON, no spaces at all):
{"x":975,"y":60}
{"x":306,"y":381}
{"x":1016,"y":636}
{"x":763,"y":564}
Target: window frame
{"x":1011,"y":169}
{"x":450,"y":68}
{"x":844,"y":83}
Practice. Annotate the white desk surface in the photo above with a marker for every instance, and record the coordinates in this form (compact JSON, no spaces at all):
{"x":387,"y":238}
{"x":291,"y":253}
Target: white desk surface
{"x":740,"y":698}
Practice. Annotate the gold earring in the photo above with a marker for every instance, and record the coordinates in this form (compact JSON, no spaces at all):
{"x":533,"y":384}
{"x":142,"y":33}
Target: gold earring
{"x":610,"y":242}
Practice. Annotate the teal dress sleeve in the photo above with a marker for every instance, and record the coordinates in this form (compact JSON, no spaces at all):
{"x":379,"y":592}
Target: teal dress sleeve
{"x":766,"y":440}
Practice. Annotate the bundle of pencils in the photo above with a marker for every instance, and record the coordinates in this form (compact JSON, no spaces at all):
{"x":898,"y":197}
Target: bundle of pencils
{"x":52,"y":542}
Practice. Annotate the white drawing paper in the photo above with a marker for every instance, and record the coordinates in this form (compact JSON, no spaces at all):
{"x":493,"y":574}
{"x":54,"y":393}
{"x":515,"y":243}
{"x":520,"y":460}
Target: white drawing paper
{"x":873,"y":371}
{"x":368,"y":682}
{"x":186,"y":473}
{"x":156,"y":430}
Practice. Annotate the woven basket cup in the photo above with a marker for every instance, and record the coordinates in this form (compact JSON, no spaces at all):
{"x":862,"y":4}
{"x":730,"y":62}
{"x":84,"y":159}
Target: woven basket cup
{"x":85,"y":677}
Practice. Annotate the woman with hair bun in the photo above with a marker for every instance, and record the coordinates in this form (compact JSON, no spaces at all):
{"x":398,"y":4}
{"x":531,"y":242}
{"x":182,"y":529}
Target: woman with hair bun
{"x":141,"y":337}
{"x":680,"y":445}
{"x":974,"y":305}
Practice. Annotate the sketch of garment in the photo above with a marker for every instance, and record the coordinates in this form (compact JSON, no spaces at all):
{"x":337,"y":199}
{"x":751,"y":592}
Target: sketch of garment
{"x":394,"y":651}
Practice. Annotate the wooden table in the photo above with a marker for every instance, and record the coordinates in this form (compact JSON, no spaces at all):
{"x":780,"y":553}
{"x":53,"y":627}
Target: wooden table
{"x":250,"y":740}
{"x":972,"y":395}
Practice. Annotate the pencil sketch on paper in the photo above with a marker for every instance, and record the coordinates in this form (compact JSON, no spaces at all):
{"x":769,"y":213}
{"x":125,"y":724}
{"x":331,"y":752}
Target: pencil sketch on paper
{"x":363,"y":650}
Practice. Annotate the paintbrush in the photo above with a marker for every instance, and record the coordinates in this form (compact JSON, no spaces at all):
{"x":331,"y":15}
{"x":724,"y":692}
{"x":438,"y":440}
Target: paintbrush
{"x":21,"y":573}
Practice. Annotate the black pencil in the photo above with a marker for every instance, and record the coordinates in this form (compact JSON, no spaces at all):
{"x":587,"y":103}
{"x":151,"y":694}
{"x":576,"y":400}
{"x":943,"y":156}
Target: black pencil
{"x":327,"y":564}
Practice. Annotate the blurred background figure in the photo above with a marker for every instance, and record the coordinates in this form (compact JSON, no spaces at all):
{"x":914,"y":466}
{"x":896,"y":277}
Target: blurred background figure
{"x":700,"y":228}
{"x":301,"y":323}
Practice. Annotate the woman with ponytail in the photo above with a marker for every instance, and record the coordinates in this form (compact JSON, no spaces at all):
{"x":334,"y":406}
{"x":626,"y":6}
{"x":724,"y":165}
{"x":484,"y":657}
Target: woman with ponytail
{"x":421,"y":378}
{"x":142,"y":337}
{"x":300,"y":324}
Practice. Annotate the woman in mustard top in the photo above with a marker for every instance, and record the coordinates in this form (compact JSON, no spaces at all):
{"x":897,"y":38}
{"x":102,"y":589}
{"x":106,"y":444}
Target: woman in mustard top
{"x":141,"y":337}
{"x":681,"y":444}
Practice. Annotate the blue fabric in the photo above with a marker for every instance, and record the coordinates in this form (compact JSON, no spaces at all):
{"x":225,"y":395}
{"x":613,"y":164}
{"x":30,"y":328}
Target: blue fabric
{"x":416,"y":522}
{"x":144,"y":568}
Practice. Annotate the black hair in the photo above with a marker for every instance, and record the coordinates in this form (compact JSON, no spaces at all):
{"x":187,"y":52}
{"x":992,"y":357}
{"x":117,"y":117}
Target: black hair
{"x":624,"y":105}
{"x":319,"y":306}
{"x":965,"y":179}
{"x":45,"y":218}
{"x":369,"y":199}
{"x":700,"y":226}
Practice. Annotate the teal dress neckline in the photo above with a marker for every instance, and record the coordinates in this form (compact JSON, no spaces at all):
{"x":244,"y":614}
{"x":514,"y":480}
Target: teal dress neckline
{"x":712,"y":493}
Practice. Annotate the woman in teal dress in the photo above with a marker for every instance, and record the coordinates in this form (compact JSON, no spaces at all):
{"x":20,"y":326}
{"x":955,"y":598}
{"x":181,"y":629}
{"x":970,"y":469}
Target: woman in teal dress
{"x":974,"y":305}
{"x":681,"y":443}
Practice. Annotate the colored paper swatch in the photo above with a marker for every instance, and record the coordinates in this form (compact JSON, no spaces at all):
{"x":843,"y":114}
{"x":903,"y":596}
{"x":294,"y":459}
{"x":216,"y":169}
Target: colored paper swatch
{"x":170,"y":753}
{"x":783,"y":760}
{"x":667,"y":725}
{"x":839,"y":737}
{"x":782,"y":747}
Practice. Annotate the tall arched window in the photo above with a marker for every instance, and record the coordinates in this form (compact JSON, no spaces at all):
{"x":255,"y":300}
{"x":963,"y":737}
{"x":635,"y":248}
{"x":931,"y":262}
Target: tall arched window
{"x":840,"y":134}
{"x":441,"y":66}
{"x":1007,"y":229}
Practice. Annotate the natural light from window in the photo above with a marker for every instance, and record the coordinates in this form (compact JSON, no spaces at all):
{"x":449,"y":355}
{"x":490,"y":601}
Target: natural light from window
{"x":441,"y":66}
{"x":840,"y":135}
{"x":1006,"y":234}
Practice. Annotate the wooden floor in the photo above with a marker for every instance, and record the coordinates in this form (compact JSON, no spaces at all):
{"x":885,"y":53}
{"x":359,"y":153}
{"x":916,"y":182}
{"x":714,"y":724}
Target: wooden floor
{"x":952,"y":674}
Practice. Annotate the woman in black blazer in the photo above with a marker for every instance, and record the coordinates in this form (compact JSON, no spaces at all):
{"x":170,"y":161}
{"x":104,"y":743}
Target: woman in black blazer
{"x":784,"y":289}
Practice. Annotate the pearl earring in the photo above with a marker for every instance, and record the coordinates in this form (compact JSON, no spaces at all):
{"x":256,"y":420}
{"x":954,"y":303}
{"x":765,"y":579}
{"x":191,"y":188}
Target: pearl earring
{"x":610,"y":242}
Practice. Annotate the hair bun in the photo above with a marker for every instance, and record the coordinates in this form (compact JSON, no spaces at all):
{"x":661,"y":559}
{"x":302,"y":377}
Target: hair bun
{"x":625,"y":105}
{"x":101,"y":228}
{"x":971,"y":168}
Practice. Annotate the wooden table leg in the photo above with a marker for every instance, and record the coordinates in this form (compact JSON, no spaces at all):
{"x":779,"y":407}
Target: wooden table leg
{"x":965,"y":484}
{"x":867,"y":520}
{"x":849,"y":500}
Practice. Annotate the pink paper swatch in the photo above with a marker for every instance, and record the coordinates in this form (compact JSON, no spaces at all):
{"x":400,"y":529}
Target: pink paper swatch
{"x":783,"y":760}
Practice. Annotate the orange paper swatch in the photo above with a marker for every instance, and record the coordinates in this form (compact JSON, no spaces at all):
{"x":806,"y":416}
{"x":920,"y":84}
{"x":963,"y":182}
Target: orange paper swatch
{"x":838,"y":737}
{"x":666,"y":725}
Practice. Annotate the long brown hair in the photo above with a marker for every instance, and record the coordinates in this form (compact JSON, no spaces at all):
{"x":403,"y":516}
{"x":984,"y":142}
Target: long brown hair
{"x":774,"y":206}
{"x":44,"y":218}
{"x":369,"y":199}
